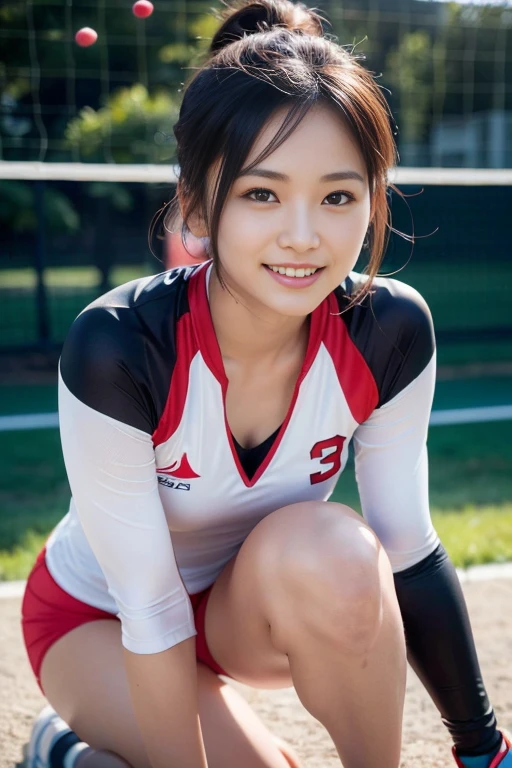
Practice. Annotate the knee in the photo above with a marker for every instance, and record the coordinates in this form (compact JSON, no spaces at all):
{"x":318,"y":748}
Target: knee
{"x":329,"y":579}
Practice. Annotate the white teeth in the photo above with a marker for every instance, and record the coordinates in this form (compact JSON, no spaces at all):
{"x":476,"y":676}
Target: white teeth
{"x":291,"y":272}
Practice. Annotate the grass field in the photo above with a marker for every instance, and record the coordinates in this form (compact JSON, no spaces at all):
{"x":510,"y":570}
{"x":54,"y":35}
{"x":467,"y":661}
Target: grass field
{"x":457,"y":299}
{"x":470,"y":492}
{"x":69,"y":290}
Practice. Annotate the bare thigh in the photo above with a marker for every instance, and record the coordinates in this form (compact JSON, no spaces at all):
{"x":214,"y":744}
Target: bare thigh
{"x":84,"y":679}
{"x":249,"y":593}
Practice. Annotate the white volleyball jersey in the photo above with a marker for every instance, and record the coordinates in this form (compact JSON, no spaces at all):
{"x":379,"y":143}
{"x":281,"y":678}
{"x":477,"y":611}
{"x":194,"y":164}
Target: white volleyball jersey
{"x":163,"y":496}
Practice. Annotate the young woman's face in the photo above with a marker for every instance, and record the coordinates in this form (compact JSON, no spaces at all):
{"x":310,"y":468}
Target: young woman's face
{"x":307,"y":206}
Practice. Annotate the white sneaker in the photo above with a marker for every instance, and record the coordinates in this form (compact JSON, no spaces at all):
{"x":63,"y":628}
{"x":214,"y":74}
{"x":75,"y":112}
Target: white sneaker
{"x":47,"y":729}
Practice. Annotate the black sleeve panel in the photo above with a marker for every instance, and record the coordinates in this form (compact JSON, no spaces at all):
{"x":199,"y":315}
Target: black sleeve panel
{"x":441,"y":649}
{"x":392,"y":328}
{"x":120,"y":352}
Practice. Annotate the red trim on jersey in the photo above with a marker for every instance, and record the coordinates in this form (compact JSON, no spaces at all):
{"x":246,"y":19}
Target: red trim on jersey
{"x":356,"y":379}
{"x":203,"y":324}
{"x":186,"y":349}
{"x":210,"y":350}
{"x":180,"y":469}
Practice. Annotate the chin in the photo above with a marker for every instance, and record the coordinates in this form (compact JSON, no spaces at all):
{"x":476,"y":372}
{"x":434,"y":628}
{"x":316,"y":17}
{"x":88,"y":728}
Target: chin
{"x":294,"y":308}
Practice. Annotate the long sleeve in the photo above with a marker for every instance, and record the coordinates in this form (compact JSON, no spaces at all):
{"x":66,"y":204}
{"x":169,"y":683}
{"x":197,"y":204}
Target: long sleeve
{"x":441,"y":650}
{"x":106,"y":421}
{"x":392,"y":474}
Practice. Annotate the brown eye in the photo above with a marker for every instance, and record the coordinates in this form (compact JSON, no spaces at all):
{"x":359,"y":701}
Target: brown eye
{"x":339,"y":198}
{"x":260,"y":195}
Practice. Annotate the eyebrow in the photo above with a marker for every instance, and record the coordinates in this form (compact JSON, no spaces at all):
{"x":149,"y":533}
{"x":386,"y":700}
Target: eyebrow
{"x":268,"y":174}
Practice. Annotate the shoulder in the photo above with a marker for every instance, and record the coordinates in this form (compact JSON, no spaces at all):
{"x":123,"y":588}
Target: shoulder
{"x":392,"y":308}
{"x":392,"y":328}
{"x":119,"y":349}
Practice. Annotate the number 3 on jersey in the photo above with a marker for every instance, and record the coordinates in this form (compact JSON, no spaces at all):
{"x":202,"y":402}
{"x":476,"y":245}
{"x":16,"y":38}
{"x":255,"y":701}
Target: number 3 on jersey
{"x":333,"y":458}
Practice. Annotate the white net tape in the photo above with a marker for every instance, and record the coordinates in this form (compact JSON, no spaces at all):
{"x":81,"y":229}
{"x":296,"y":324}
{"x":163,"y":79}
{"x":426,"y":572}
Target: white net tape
{"x":151,"y":174}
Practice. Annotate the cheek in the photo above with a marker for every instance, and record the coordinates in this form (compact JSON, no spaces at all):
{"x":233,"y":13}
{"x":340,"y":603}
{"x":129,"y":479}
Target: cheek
{"x":350,"y":230}
{"x":229,"y":234}
{"x":361,"y":223}
{"x":364,"y":212}
{"x":238,"y":230}
{"x":362,"y":220}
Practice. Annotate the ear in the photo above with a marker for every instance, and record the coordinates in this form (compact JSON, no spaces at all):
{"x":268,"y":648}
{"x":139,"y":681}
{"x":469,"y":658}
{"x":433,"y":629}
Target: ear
{"x":195,"y":222}
{"x":197,"y":226}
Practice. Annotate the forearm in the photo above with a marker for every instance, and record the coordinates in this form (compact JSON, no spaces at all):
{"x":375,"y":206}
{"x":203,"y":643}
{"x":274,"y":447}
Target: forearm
{"x":441,"y":649}
{"x":164,"y":693}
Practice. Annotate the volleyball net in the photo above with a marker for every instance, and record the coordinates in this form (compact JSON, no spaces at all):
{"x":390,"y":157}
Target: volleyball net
{"x":445,"y":68}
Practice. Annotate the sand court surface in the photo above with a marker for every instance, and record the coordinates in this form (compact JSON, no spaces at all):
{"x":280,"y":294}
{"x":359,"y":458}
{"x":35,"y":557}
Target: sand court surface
{"x":426,"y":743}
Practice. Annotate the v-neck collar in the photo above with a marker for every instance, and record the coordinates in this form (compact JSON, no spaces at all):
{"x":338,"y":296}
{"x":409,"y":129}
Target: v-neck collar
{"x":209,"y":347}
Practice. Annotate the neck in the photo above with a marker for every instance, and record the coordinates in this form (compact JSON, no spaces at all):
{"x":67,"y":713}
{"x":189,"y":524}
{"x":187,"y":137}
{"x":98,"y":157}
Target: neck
{"x":250,"y":335}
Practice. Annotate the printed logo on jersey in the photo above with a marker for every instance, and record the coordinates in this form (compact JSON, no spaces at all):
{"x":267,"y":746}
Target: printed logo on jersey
{"x":173,"y":274}
{"x":329,"y":453}
{"x":178,"y":486}
{"x":180,"y":469}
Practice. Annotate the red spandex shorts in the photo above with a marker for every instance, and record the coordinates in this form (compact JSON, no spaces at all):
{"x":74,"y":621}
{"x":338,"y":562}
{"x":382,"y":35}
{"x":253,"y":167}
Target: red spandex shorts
{"x":48,"y":612}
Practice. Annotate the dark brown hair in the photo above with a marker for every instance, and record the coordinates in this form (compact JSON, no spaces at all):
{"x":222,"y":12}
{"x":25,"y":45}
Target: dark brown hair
{"x":266,"y":55}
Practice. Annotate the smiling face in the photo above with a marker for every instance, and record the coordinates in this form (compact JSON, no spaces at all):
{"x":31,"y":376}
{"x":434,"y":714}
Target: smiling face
{"x":306,"y":206}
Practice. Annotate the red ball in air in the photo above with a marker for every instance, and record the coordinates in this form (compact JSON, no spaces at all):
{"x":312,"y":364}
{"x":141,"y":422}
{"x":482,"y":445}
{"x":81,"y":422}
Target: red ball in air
{"x":142,"y":9}
{"x":86,"y":37}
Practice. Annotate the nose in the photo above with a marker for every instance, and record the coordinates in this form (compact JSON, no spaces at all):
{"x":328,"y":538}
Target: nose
{"x":299,"y":231}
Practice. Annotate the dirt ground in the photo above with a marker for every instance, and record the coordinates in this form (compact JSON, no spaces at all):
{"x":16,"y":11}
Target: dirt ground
{"x":426,"y":743}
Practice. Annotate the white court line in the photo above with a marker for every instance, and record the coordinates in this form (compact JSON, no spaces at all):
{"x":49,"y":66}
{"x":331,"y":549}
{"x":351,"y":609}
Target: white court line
{"x":437,"y":418}
{"x":29,"y":421}
{"x":11,"y":589}
{"x":471,"y":415}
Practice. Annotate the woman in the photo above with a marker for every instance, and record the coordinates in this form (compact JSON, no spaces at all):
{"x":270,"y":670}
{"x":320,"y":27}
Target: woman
{"x":206,"y":415}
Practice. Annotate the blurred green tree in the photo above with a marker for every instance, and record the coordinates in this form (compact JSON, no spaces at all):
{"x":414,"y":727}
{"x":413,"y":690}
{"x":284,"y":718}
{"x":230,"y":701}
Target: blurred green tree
{"x":136,"y":127}
{"x":46,"y":80}
{"x":17,"y":208}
